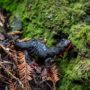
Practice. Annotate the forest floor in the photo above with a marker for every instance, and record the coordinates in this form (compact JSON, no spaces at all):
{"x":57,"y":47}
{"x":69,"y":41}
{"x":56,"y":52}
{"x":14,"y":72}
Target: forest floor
{"x":52,"y":20}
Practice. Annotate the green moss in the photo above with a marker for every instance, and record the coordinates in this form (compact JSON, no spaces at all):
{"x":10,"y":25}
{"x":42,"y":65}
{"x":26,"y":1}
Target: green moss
{"x":44,"y":18}
{"x":76,"y":75}
{"x":79,"y":70}
{"x":80,"y":34}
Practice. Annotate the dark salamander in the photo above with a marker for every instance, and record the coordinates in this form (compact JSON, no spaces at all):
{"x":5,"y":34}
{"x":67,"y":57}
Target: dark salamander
{"x":40,"y":50}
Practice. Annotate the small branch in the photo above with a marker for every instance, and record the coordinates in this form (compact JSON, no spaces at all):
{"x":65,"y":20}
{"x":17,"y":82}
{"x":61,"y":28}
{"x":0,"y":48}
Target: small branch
{"x":11,"y":75}
{"x":5,"y":62}
{"x":7,"y":51}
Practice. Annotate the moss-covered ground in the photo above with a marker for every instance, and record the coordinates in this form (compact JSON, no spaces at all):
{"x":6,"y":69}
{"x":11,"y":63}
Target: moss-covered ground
{"x":43,"y":19}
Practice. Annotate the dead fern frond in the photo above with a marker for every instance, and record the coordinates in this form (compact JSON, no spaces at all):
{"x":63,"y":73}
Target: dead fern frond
{"x":24,"y":70}
{"x":11,"y":86}
{"x":54,"y":73}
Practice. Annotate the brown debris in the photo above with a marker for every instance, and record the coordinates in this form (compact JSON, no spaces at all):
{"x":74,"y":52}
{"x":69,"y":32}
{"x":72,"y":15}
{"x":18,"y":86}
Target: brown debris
{"x":21,"y":73}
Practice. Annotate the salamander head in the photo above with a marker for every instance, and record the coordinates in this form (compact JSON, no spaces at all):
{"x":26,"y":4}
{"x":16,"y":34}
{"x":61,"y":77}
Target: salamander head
{"x":65,"y":45}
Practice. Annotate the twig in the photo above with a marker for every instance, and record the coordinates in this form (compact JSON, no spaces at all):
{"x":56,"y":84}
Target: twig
{"x":5,"y":62}
{"x":7,"y":51}
{"x":8,"y":72}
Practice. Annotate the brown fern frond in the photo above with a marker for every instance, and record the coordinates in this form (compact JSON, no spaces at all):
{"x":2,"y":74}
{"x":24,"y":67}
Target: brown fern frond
{"x":11,"y":86}
{"x":54,"y":73}
{"x":24,"y":70}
